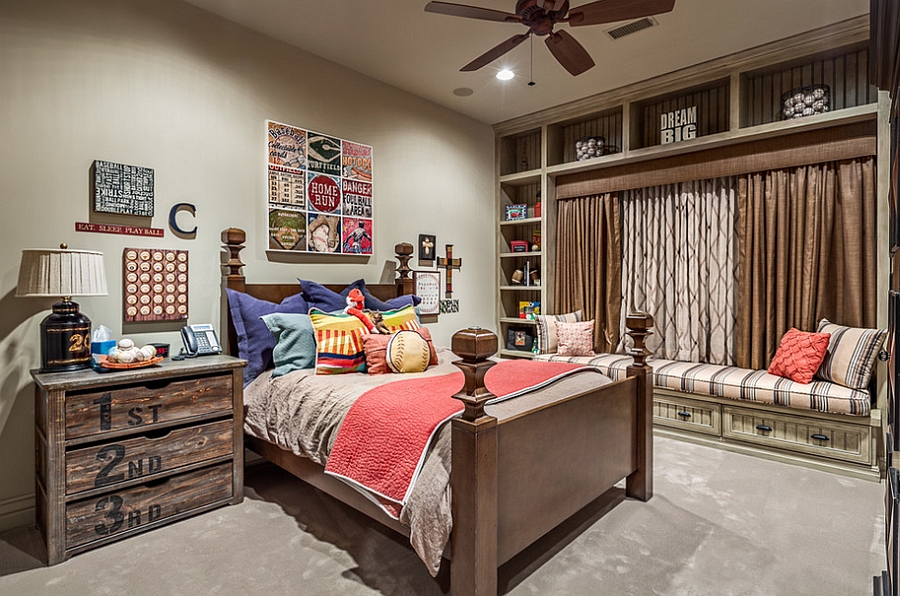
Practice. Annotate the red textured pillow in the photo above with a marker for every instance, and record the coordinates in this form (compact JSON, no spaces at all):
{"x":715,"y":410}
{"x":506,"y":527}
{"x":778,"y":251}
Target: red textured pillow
{"x":799,"y":355}
{"x":375,"y":346}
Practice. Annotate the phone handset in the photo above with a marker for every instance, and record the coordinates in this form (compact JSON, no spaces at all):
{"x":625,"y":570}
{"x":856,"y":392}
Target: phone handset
{"x":199,"y":340}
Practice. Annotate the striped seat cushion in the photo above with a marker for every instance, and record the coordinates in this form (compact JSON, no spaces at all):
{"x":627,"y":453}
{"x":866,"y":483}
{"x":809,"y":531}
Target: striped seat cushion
{"x":734,"y":383}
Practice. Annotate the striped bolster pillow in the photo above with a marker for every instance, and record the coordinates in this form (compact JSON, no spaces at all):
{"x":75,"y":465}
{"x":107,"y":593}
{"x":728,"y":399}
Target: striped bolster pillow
{"x":851,"y":354}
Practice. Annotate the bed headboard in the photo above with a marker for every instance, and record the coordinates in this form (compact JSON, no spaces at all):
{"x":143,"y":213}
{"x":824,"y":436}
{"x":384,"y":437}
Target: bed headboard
{"x":234,"y":239}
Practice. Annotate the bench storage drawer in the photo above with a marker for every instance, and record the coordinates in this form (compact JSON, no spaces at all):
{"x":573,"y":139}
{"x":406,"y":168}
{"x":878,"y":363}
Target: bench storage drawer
{"x":689,"y":414}
{"x":826,"y":438}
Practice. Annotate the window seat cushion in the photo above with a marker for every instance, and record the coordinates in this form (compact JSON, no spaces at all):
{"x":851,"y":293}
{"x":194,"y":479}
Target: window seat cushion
{"x":730,"y":382}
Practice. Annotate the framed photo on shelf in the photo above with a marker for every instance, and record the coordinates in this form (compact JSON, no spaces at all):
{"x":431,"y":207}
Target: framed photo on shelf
{"x":428,"y":288}
{"x":515,"y":212}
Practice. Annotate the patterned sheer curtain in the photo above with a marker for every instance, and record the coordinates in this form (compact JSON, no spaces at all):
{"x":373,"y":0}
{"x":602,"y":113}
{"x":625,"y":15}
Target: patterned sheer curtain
{"x":679,"y":263}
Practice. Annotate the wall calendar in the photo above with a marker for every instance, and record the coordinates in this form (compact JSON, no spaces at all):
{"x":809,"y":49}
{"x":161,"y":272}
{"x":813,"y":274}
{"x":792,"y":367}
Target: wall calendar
{"x":319,"y":195}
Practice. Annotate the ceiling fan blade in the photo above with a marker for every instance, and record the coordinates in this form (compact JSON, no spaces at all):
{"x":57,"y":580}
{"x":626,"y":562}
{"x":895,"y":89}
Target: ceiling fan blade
{"x":610,"y":11}
{"x":569,"y":52}
{"x":472,"y":12}
{"x":495,"y":53}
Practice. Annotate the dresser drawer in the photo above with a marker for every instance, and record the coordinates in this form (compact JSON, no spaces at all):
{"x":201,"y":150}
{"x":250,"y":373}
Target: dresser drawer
{"x":140,"y":406}
{"x":837,"y":440}
{"x":688,"y":414}
{"x":140,"y":507}
{"x":113,"y":463}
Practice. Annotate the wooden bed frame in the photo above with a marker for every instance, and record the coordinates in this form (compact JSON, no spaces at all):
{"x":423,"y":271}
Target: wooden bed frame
{"x":578,"y":447}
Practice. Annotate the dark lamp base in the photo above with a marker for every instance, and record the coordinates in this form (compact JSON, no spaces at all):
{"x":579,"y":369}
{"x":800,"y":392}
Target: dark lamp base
{"x":65,"y":339}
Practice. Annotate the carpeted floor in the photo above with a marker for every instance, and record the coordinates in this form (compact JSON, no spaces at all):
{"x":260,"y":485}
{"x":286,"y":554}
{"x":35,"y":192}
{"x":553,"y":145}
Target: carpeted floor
{"x":719,"y":524}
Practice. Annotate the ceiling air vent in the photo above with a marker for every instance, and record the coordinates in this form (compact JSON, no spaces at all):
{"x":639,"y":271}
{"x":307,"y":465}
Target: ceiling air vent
{"x":632,"y":27}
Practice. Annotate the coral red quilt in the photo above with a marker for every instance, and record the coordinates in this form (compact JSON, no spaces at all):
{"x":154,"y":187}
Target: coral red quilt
{"x":381,"y":444}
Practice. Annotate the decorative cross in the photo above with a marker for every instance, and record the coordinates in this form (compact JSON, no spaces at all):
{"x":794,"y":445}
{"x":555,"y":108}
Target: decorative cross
{"x":448,"y":263}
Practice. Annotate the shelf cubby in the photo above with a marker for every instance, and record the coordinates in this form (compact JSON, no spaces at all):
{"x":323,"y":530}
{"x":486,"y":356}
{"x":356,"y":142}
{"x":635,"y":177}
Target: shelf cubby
{"x":562,"y":136}
{"x":845,"y":71}
{"x":520,"y":152}
{"x":712,"y":103}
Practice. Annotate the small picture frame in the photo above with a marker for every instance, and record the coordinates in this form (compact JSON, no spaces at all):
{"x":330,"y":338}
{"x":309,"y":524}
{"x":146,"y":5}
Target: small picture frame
{"x":427,"y":249}
{"x":428,"y":288}
{"x":516,"y":212}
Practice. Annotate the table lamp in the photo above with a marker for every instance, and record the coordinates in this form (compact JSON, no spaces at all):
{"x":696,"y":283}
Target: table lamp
{"x":65,"y":332}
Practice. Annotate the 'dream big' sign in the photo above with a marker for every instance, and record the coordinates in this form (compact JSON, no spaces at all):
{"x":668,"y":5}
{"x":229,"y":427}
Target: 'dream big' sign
{"x":678,"y":125}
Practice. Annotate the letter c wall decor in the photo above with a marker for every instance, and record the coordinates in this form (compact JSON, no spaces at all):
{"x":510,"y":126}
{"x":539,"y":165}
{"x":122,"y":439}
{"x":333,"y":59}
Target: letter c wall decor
{"x":174,"y":224}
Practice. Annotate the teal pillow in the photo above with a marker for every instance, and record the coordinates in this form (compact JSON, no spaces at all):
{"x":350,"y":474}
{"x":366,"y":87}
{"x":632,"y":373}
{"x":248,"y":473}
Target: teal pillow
{"x":295,"y":347}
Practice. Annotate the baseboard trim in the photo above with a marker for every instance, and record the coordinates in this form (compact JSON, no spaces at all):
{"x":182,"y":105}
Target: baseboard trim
{"x":17,"y":511}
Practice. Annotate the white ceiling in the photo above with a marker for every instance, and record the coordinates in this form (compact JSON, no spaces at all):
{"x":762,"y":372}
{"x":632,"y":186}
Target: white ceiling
{"x":397,"y":42}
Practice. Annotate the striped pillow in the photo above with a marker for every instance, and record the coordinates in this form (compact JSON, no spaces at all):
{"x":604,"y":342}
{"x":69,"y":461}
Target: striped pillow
{"x":401,"y":319}
{"x":339,"y":344}
{"x":851,"y":354}
{"x":546,"y":330}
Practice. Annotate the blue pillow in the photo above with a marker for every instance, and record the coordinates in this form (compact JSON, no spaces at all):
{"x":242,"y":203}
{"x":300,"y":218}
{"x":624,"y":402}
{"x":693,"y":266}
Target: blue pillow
{"x":296,"y":342}
{"x":255,"y":341}
{"x":373,"y":303}
{"x":318,"y":296}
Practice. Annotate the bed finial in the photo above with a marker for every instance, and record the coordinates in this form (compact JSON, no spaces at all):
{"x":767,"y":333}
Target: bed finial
{"x":638,"y":325}
{"x":403,"y":252}
{"x":474,"y":345}
{"x":234,"y":239}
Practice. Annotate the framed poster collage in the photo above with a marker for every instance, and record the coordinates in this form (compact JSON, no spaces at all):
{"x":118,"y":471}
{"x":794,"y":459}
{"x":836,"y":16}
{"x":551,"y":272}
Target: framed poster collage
{"x":319,"y":195}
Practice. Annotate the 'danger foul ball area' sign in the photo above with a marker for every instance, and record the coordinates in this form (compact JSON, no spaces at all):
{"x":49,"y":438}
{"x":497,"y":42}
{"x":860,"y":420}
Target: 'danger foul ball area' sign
{"x":678,"y":125}
{"x":319,"y":195}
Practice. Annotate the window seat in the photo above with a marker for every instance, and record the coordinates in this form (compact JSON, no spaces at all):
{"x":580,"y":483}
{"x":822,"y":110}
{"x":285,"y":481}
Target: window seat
{"x":822,"y":424}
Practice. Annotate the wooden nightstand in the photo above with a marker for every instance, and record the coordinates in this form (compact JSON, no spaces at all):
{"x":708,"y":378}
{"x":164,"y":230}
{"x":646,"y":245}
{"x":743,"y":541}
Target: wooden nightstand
{"x":127,"y":451}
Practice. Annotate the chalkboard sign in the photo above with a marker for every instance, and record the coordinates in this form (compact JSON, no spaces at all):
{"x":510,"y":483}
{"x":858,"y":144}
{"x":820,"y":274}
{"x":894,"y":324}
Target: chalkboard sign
{"x":119,"y":188}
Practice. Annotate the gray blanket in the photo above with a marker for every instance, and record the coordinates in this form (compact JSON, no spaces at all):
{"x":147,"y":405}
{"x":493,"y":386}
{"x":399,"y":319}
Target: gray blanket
{"x":302,"y":412}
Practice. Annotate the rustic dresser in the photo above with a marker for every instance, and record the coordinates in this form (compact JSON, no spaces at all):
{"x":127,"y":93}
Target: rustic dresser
{"x":126,"y":451}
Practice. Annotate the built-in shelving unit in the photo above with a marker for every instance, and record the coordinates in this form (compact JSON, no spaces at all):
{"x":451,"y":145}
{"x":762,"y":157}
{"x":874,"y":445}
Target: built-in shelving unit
{"x":734,"y":99}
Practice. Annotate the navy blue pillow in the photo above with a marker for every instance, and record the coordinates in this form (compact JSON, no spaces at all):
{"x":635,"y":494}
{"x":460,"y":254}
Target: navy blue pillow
{"x":373,"y":303}
{"x":255,"y":341}
{"x":318,"y":296}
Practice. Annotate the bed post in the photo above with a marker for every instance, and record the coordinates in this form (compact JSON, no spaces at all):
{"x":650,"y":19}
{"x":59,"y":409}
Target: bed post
{"x":234,"y":239}
{"x":639,"y":484}
{"x":403,"y":252}
{"x":473,"y":480}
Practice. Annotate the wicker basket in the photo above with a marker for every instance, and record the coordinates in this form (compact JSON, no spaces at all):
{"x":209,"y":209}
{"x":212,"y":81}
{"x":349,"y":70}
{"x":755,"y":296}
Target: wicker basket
{"x":805,"y":101}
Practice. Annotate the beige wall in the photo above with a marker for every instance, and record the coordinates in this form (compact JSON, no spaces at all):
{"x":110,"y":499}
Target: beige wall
{"x":163,"y":85}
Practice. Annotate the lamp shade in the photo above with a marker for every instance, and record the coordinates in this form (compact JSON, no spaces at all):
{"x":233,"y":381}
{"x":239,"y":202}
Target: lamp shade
{"x":61,"y":272}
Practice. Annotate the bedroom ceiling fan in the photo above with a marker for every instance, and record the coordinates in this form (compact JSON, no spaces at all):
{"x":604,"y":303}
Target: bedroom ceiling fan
{"x":540,"y":16}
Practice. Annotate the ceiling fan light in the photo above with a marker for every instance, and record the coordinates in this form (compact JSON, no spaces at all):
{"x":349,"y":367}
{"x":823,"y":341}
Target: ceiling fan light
{"x":505,"y":74}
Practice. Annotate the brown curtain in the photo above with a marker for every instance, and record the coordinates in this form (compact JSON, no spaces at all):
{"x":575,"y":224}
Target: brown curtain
{"x":807,"y":244}
{"x":589,"y":264}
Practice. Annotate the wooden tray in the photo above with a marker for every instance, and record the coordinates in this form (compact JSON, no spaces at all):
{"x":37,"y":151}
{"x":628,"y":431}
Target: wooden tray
{"x":106,"y":363}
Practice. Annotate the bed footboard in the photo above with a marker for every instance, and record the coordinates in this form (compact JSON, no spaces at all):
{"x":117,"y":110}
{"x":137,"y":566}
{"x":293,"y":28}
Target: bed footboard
{"x":515,"y":480}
